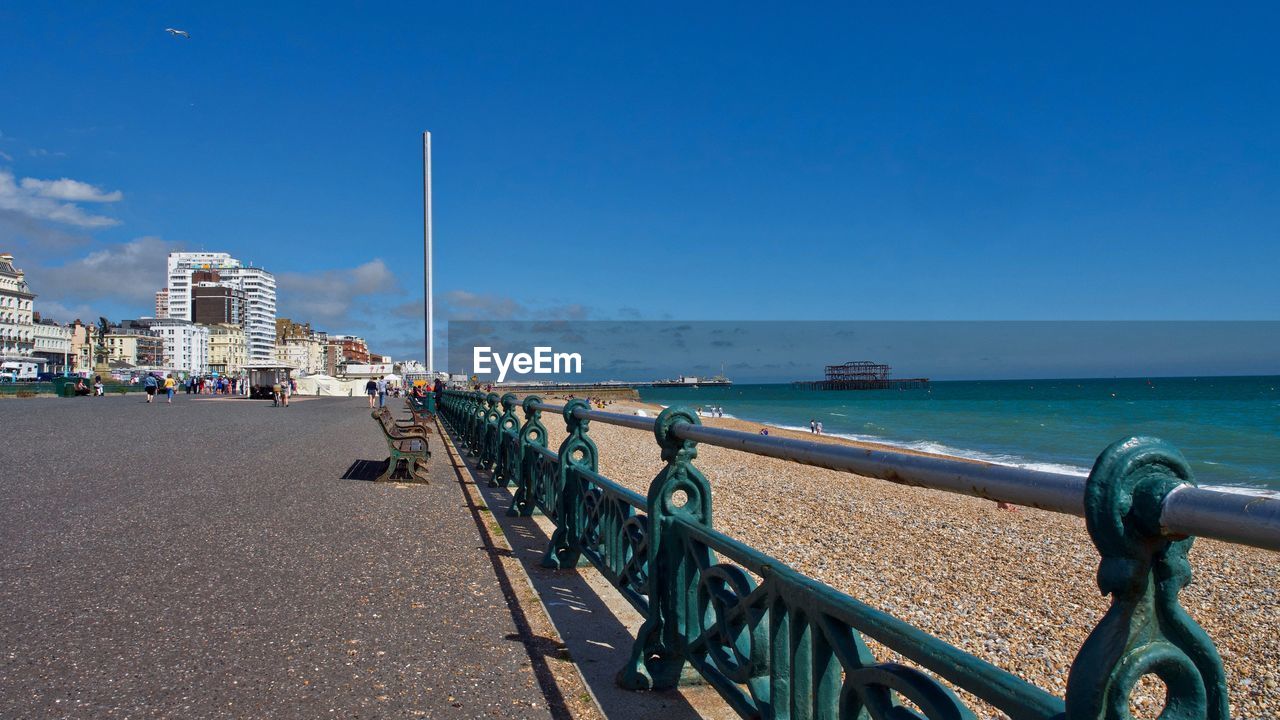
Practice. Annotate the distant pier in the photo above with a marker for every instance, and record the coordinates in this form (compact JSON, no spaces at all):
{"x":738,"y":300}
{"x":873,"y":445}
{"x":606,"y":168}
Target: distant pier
{"x":862,"y":375}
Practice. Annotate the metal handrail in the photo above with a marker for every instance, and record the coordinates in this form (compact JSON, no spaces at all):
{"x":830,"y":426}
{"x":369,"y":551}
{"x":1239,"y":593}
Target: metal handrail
{"x":1243,"y":517}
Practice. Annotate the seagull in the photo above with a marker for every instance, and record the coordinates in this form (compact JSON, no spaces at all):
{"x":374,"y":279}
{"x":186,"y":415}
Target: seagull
{"x":178,"y":33}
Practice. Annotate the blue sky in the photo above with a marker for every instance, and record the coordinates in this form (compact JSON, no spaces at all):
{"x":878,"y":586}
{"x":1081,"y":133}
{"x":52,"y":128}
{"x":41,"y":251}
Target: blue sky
{"x":732,"y":161}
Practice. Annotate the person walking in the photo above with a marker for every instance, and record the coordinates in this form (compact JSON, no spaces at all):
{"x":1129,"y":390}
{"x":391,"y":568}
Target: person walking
{"x":286,"y":389}
{"x":149,"y":384}
{"x":382,"y":391}
{"x":169,"y":385}
{"x":275,"y":393}
{"x":371,"y":389}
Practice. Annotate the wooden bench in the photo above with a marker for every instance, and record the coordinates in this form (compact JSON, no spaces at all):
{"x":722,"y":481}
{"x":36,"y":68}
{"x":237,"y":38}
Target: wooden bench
{"x":408,"y":447}
{"x":423,"y":410}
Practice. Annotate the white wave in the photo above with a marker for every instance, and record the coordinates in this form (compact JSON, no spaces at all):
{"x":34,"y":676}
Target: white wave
{"x":937,"y":448}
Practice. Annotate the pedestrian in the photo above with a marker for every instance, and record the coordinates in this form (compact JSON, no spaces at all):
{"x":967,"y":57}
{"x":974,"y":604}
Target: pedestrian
{"x":286,"y":389}
{"x":819,"y":427}
{"x":275,"y":393}
{"x":149,"y":384}
{"x":382,"y":391}
{"x":170,"y":384}
{"x":371,"y":389}
{"x":813,"y":426}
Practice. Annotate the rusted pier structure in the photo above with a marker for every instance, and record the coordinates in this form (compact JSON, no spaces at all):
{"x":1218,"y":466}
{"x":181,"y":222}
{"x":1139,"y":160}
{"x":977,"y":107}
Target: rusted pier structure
{"x":862,"y":375}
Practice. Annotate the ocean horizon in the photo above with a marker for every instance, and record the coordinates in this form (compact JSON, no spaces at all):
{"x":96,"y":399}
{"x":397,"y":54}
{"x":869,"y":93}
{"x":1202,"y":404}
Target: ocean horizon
{"x":1227,"y":426}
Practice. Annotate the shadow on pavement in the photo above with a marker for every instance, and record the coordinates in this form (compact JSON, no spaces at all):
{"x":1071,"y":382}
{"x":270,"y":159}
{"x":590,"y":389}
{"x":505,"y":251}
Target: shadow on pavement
{"x":368,"y":470}
{"x":595,"y":639}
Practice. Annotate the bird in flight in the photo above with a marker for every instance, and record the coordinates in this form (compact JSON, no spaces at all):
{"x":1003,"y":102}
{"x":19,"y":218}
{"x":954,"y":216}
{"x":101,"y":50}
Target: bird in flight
{"x":178,"y":33}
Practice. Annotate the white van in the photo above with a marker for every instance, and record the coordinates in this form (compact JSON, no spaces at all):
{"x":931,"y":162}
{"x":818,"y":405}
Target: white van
{"x":19,"y":370}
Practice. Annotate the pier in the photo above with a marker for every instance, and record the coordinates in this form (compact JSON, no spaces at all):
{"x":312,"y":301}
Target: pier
{"x":862,"y":375}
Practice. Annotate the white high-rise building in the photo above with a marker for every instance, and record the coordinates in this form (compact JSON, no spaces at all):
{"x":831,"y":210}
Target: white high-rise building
{"x":258,"y":286}
{"x":186,"y":344}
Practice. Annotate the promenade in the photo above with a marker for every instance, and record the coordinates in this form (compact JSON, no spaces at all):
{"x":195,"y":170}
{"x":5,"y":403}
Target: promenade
{"x":207,"y":559}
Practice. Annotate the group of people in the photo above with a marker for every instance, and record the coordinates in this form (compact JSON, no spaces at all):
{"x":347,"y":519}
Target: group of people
{"x":713,"y":411}
{"x":153,"y":385}
{"x":378,"y":389}
{"x":215,"y":386}
{"x":84,"y":390}
{"x":815,"y":427}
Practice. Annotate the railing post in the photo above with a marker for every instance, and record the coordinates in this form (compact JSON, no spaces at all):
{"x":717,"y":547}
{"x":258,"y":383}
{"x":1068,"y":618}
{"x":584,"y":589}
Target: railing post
{"x":531,"y":433}
{"x":678,"y":491}
{"x":1146,"y":631}
{"x":508,"y":443}
{"x":489,"y":434}
{"x":476,"y":412}
{"x":577,"y":451}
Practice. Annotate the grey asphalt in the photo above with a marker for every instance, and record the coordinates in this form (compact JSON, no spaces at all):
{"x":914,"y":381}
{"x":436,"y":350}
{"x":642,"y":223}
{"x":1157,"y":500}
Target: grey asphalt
{"x":207,"y":559}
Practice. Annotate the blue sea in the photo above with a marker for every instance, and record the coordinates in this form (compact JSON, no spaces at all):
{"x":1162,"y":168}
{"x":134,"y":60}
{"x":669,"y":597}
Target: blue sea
{"x":1227,"y":427}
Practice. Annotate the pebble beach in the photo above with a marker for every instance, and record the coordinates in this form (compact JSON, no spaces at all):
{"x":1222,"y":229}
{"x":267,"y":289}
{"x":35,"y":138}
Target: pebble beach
{"x":1015,"y":588}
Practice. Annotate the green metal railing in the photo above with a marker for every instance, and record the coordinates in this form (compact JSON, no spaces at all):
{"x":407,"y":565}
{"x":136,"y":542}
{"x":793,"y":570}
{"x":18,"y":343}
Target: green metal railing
{"x":787,"y":646}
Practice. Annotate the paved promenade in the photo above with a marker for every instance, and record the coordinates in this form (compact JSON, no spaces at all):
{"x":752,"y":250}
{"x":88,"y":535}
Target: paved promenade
{"x":207,"y":559}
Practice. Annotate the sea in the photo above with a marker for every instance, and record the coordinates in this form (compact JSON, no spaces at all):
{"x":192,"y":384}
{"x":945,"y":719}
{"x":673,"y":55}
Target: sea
{"x":1227,"y":427}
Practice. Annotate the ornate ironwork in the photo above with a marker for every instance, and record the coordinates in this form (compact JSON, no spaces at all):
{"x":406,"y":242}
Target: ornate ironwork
{"x":778,"y":644}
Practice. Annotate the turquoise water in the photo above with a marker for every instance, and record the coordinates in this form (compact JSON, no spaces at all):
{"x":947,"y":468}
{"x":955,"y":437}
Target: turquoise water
{"x":1227,"y":427}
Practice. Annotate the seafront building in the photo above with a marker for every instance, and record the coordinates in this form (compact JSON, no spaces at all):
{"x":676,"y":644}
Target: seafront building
{"x":301,"y":347}
{"x":52,"y":344}
{"x":351,"y":349}
{"x":162,"y":303}
{"x":135,"y":343}
{"x":186,"y":344}
{"x":214,"y":302}
{"x":83,"y":339}
{"x":228,"y":350}
{"x":17,"y":326}
{"x":256,"y":286}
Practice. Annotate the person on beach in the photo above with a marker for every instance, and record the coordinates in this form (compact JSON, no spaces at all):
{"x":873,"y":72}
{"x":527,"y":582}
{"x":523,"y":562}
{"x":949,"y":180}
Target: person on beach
{"x":813,"y":426}
{"x":169,"y":386}
{"x":371,"y":389}
{"x":764,"y":431}
{"x":819,"y":427}
{"x":149,"y":384}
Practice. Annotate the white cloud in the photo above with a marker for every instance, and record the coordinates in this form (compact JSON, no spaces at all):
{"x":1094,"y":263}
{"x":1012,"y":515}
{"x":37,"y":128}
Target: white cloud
{"x":48,"y":200}
{"x":464,"y":305}
{"x":6,"y":156}
{"x":129,"y":272}
{"x":70,"y":190}
{"x":327,"y":298}
{"x":54,"y":310}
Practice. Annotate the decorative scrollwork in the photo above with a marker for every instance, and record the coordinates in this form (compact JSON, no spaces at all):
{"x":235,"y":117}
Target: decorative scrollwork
{"x":876,"y":688}
{"x":1146,"y":630}
{"x":735,"y":631}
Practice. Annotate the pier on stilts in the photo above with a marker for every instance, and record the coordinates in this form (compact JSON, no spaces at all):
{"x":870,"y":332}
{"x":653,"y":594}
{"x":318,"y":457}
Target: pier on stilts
{"x":862,"y":375}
